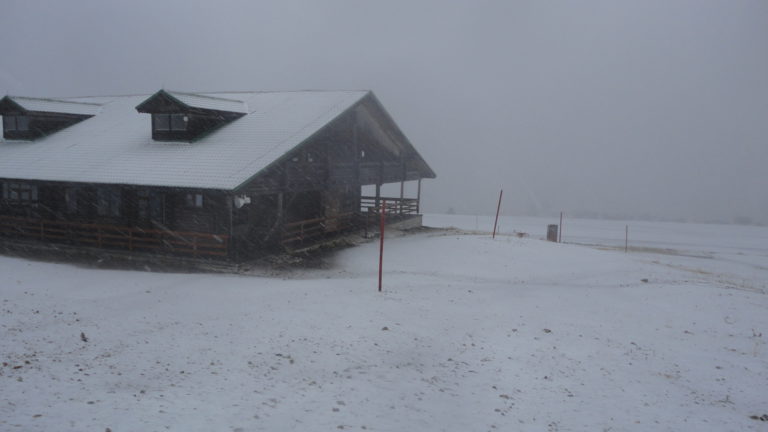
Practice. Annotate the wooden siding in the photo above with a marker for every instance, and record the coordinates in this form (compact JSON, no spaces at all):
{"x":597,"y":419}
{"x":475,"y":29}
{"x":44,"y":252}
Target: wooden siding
{"x":195,"y":244}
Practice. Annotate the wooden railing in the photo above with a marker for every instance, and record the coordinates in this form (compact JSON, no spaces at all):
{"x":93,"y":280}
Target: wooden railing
{"x":395,"y":206}
{"x":109,"y":236}
{"x":310,"y":230}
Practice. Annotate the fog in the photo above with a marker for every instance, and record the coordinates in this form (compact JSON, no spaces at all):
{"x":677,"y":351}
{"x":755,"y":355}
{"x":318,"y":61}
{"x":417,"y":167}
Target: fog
{"x":652,"y":109}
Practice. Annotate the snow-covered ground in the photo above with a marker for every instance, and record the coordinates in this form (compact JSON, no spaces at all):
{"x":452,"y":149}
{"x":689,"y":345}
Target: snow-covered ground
{"x":471,"y":334}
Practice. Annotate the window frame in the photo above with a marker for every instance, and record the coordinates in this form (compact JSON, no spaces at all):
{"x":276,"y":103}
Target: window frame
{"x":156,"y":123}
{"x":20,"y":193}
{"x":70,"y":200}
{"x":15,"y":121}
{"x":172,"y":122}
{"x":179,"y":119}
{"x":109,"y":202}
{"x":194,"y":200}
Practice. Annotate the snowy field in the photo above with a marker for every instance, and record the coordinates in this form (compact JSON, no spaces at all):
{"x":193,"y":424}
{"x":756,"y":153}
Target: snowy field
{"x":471,"y":334}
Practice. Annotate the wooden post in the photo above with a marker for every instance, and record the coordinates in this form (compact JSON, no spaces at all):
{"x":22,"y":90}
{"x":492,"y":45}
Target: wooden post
{"x":626,"y":239}
{"x":231,"y":251}
{"x":402,"y":194}
{"x":381,"y":240}
{"x":418,"y":198}
{"x":560,"y":231}
{"x":498,"y":207}
{"x":280,"y":216}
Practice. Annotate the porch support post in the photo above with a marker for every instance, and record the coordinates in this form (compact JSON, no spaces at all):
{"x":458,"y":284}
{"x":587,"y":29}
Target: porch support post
{"x":231,"y":243}
{"x":418,"y":198}
{"x":402,"y":193}
{"x":404,"y":176}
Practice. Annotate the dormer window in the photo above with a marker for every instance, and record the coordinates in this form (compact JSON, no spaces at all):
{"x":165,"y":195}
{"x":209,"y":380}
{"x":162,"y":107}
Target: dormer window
{"x":187,"y":116}
{"x":170,"y":122}
{"x":13,"y":123}
{"x":30,"y":118}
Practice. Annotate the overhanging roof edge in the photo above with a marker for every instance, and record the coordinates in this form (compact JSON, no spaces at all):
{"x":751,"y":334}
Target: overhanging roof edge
{"x":285,"y":155}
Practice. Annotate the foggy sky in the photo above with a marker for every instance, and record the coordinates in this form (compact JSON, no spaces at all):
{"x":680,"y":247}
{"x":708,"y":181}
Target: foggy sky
{"x":632,"y":108}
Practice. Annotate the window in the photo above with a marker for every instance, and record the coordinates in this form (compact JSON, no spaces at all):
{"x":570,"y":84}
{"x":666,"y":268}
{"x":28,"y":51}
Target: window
{"x":15,"y":123}
{"x":20,"y":193}
{"x":161,"y":122}
{"x":70,"y":199}
{"x":108,"y":202}
{"x":151,"y":206}
{"x":22,"y":123}
{"x":194,"y":200}
{"x":178,"y":122}
{"x":170,"y":122}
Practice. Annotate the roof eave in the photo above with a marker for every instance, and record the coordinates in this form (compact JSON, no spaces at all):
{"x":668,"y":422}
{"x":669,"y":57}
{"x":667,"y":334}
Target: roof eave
{"x":430,"y":173}
{"x":285,"y":156}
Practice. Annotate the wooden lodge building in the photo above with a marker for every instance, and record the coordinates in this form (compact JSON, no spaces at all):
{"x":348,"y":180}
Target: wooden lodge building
{"x":225,"y":175}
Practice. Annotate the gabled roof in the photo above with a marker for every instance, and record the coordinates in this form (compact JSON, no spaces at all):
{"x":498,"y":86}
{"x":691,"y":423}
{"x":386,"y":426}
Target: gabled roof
{"x":116,"y":147}
{"x":50,"y":105}
{"x":195,"y":100}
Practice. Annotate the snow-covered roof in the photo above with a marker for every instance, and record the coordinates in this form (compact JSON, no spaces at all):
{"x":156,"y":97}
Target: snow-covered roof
{"x":210,"y":102}
{"x":116,"y":147}
{"x":56,"y":105}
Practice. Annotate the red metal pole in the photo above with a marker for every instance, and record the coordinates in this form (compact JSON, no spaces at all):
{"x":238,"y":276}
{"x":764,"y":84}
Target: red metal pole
{"x":383,"y":210}
{"x":498,"y":207}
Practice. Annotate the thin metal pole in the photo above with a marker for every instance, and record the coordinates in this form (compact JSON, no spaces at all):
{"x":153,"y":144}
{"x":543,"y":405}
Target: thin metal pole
{"x":560,"y":231}
{"x":626,"y":239}
{"x":498,"y":207}
{"x":383,"y":210}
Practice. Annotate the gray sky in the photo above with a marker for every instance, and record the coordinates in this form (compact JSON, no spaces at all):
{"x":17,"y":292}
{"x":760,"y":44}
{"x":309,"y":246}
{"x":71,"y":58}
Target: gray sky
{"x":653,"y":107}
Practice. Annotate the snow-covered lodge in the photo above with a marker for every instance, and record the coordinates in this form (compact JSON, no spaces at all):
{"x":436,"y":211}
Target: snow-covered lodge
{"x":201,"y":175}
